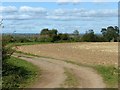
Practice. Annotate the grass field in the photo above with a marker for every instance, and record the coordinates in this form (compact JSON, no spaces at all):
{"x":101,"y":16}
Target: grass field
{"x":19,"y":73}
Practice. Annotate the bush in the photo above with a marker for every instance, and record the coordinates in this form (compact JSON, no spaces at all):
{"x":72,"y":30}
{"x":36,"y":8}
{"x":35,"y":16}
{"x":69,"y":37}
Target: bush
{"x":7,"y":51}
{"x":45,"y":39}
{"x":89,"y":36}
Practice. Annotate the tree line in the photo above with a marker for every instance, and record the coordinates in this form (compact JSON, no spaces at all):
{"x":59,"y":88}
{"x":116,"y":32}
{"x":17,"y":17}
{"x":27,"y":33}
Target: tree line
{"x":108,"y":34}
{"x":46,"y":35}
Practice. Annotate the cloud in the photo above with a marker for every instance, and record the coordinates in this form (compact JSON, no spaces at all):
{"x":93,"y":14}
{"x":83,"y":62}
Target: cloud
{"x":61,"y":2}
{"x":8,"y":9}
{"x":17,"y":17}
{"x":34,"y":12}
{"x":26,"y":9}
{"x":26,"y":12}
{"x":81,"y":14}
{"x":85,"y":13}
{"x":24,"y":16}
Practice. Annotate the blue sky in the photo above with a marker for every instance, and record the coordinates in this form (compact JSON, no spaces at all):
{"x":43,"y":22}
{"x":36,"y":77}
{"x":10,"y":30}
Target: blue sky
{"x":31,"y":17}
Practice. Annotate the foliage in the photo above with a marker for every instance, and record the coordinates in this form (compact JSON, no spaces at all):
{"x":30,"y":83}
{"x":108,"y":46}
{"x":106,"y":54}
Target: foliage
{"x":15,"y":72}
{"x":18,"y":73}
{"x":76,"y":32}
{"x":111,"y":33}
{"x":7,"y":51}
{"x":109,"y":74}
{"x":46,"y":35}
{"x":89,"y":36}
{"x":76,"y":36}
{"x":63,"y":36}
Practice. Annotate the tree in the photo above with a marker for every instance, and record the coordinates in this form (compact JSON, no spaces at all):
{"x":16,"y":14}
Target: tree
{"x":63,"y":36}
{"x":111,"y":33}
{"x":89,"y":36}
{"x":76,"y":36}
{"x":49,"y":35}
{"x":53,"y":32}
{"x":44,"y":31}
{"x":48,"y":32}
{"x":76,"y":32}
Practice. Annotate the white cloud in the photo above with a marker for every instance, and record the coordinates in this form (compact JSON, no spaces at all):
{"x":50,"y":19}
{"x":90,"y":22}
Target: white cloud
{"x":10,"y":17}
{"x":16,"y":17}
{"x":81,"y":14}
{"x":24,"y":16}
{"x":68,"y":1}
{"x":86,"y":13}
{"x":26,"y":9}
{"x":8,"y":9}
{"x":25,"y":12}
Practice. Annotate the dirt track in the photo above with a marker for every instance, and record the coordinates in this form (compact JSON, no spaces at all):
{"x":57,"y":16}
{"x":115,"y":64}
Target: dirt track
{"x":53,"y":75}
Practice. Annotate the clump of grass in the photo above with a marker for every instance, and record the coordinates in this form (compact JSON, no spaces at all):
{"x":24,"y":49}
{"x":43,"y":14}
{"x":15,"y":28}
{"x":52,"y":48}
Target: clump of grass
{"x":71,"y":80}
{"x":18,"y":73}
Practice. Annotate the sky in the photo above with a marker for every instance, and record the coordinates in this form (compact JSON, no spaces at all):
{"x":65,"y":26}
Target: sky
{"x":32,"y":17}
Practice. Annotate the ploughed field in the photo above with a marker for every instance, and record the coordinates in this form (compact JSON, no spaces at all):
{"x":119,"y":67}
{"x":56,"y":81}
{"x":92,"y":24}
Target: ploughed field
{"x":103,"y":53}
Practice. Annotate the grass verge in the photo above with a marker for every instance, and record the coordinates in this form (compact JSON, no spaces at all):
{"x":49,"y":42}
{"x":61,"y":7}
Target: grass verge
{"x":18,"y":73}
{"x":109,"y":74}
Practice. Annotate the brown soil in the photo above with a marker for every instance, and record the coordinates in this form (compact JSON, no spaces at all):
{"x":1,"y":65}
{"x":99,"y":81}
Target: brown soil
{"x":105,"y":53}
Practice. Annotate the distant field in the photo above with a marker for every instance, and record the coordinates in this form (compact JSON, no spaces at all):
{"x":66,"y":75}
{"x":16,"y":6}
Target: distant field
{"x":103,"y":53}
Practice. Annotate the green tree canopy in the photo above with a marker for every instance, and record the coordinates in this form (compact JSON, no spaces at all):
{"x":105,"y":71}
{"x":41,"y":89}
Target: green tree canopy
{"x":89,"y":36}
{"x":110,"y":33}
{"x":76,"y":32}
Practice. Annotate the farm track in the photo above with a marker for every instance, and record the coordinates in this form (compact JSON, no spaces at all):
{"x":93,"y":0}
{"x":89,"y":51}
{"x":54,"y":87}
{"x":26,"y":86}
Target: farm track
{"x":53,"y":75}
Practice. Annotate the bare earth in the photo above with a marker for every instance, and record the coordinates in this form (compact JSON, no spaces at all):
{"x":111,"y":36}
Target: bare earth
{"x":104,"y":53}
{"x":53,"y":75}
